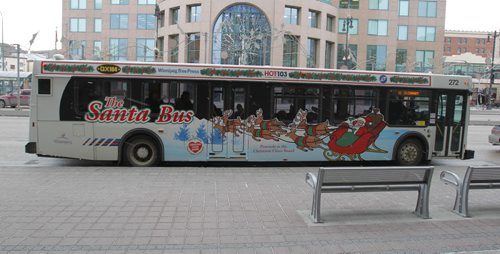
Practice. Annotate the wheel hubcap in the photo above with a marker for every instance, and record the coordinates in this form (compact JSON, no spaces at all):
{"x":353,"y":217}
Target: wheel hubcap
{"x":143,"y":153}
{"x":409,"y":153}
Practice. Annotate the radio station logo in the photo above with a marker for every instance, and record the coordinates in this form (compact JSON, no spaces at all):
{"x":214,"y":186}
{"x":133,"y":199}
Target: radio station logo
{"x":108,"y":69}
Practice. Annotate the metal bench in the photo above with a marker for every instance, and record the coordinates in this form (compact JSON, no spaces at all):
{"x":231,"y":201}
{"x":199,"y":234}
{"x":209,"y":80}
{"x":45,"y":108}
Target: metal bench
{"x":367,"y":179}
{"x":486,"y":177}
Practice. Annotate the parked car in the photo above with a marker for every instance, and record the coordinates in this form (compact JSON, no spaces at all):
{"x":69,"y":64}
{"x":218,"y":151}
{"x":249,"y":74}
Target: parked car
{"x":10,"y":100}
{"x":494,"y":137}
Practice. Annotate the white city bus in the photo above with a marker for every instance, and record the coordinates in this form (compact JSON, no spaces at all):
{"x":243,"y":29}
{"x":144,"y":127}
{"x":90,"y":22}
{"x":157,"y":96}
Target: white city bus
{"x":141,"y":114}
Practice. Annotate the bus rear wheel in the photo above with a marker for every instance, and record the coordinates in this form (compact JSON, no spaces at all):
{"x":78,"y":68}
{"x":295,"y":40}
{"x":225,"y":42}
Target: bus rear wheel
{"x":141,"y":151}
{"x":409,"y":153}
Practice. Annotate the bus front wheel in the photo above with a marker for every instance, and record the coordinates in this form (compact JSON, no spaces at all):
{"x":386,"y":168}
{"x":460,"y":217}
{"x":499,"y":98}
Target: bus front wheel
{"x":409,"y":153}
{"x":141,"y":151}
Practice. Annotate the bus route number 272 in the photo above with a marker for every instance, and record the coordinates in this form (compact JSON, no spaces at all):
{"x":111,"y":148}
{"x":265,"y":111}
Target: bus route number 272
{"x":453,"y":82}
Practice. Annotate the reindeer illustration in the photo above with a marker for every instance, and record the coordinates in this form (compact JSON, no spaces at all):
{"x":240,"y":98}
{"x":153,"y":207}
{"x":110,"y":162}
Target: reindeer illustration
{"x":300,"y":122}
{"x":305,"y":142}
{"x":258,"y":133}
{"x":274,"y":125}
{"x":225,"y":125}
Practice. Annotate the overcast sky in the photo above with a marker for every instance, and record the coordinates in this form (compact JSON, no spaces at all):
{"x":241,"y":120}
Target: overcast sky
{"x":23,"y":18}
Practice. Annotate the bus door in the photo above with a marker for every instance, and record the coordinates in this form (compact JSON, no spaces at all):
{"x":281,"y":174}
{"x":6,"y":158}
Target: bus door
{"x":450,"y":120}
{"x":227,"y":138}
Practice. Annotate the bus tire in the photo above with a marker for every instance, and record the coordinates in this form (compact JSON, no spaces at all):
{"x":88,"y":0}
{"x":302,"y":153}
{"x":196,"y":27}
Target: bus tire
{"x":141,"y":151}
{"x":409,"y":153}
{"x":2,"y":104}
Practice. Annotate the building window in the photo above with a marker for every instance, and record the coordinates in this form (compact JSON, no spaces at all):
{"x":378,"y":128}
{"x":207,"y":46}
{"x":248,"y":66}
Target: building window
{"x":426,"y":33}
{"x":401,"y":58}
{"x":404,"y":7}
{"x":376,"y":56}
{"x":291,"y":15}
{"x":118,"y":49}
{"x":146,"y":21}
{"x":424,"y":59}
{"x":349,"y":4}
{"x":97,"y":50}
{"x":312,"y":52}
{"x":447,"y":39}
{"x":330,"y":22}
{"x":193,"y":48}
{"x":329,"y":48}
{"x":427,"y":8}
{"x":174,"y":15}
{"x":231,"y":46}
{"x":353,"y":28}
{"x":120,"y":2}
{"x":173,"y":48}
{"x":314,"y":19}
{"x":478,"y":41}
{"x":142,"y":2}
{"x":402,"y":32}
{"x":145,"y":50}
{"x":448,"y":49}
{"x":290,"y":51}
{"x":459,"y":50}
{"x":78,"y":4}
{"x":378,"y":4}
{"x":119,"y":21}
{"x":465,"y":40}
{"x":97,"y":25}
{"x":194,"y":13}
{"x":162,"y":18}
{"x":377,"y":27}
{"x":97,"y":4}
{"x":78,"y":25}
{"x":77,"y":49}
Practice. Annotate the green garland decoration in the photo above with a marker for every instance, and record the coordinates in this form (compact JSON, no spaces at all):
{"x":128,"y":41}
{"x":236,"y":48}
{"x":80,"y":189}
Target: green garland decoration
{"x":139,"y":70}
{"x":68,"y":68}
{"x":231,"y":73}
{"x":409,"y":80}
{"x":332,"y":76}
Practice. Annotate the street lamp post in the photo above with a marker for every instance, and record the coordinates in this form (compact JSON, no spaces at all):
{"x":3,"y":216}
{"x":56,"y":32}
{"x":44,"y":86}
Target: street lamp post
{"x":345,"y":28}
{"x":492,"y":71}
{"x":18,"y":79}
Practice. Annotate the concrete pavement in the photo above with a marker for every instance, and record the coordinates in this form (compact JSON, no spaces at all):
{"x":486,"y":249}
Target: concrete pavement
{"x":227,"y":210}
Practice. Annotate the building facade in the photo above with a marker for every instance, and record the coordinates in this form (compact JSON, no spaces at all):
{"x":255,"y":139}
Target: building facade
{"x":392,"y":35}
{"x":460,"y":42}
{"x":386,"y":35}
{"x":259,"y":32}
{"x":109,"y":29}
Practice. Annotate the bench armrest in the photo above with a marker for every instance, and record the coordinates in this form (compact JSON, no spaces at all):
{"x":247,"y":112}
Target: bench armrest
{"x":451,"y":178}
{"x":311,"y":180}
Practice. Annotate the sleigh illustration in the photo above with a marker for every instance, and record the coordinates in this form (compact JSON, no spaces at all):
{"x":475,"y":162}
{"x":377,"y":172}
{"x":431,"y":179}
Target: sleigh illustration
{"x":352,"y":138}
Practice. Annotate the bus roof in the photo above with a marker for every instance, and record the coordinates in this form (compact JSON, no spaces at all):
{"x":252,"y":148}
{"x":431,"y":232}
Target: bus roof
{"x":247,"y":73}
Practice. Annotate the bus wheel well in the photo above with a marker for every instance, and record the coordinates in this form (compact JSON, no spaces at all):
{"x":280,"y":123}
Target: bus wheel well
{"x":144,"y":133}
{"x":416,"y":138}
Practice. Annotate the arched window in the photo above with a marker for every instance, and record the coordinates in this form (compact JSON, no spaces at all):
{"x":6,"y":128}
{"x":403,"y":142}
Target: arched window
{"x":242,"y":36}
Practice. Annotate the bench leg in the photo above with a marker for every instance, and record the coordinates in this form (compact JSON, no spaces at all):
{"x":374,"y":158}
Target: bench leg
{"x":462,"y":202}
{"x":422,"y":208}
{"x":316,"y":203}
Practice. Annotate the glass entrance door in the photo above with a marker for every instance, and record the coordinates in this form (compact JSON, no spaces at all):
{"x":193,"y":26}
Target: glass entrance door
{"x":227,"y":137}
{"x":450,"y":121}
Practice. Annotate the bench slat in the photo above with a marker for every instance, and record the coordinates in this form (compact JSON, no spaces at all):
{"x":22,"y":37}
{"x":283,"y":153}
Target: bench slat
{"x":368,"y":176}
